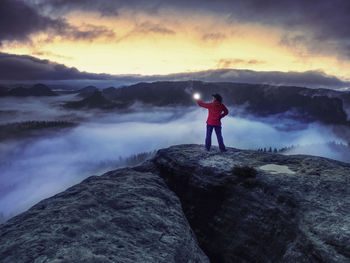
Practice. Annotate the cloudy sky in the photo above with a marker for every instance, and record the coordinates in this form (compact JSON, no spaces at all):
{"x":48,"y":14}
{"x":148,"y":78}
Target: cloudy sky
{"x":158,"y":37}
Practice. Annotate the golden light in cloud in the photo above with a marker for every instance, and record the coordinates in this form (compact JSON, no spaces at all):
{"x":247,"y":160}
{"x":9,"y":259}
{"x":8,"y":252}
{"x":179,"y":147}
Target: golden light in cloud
{"x":172,"y":43}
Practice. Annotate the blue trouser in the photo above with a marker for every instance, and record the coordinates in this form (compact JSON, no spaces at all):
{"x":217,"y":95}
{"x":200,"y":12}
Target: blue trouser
{"x":218,"y":136}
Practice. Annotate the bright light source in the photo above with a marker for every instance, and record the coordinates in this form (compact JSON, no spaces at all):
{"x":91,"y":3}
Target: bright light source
{"x":196,"y":96}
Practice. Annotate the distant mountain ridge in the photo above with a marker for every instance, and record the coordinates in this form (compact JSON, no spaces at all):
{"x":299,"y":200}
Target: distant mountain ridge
{"x":36,"y":90}
{"x":322,"y":105}
{"x":94,"y":100}
{"x":87,"y":91}
{"x":309,"y":105}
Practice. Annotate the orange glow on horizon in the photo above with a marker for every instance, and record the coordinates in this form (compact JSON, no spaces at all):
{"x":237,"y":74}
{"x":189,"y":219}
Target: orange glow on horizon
{"x":173,"y":43}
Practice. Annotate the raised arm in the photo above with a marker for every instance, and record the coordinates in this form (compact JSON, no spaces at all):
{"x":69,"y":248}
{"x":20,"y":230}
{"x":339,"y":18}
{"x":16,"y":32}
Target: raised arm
{"x":202,"y":104}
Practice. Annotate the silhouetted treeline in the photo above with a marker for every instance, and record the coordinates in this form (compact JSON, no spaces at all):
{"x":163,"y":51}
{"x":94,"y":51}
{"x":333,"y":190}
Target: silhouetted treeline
{"x":339,"y":151}
{"x":332,"y":145}
{"x":269,"y":149}
{"x":129,"y":161}
{"x":136,"y":159}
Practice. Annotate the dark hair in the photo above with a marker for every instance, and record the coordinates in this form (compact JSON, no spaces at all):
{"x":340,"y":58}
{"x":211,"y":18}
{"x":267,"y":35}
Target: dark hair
{"x":217,"y":97}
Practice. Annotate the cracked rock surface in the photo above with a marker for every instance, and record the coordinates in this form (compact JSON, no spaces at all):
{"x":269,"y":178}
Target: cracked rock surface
{"x":121,"y":216}
{"x":297,"y":210}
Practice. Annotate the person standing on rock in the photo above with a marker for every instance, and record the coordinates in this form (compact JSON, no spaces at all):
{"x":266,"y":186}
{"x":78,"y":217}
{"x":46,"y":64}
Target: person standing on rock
{"x":217,"y":110}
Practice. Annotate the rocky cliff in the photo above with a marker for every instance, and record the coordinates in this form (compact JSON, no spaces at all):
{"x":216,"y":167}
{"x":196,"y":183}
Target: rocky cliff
{"x":188,"y":205}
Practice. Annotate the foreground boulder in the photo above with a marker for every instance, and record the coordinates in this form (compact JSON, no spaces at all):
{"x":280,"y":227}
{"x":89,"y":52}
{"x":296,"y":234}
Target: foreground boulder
{"x":269,"y":208}
{"x":121,"y":216}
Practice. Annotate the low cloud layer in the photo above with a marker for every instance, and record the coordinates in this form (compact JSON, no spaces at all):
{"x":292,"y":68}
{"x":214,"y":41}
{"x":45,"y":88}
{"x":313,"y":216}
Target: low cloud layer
{"x":33,"y":169}
{"x":22,"y":67}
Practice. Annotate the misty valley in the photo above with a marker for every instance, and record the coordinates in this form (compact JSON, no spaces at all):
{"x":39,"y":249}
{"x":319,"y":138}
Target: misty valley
{"x":51,"y":139}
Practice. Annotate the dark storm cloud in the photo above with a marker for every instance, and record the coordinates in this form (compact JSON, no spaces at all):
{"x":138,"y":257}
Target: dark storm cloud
{"x":18,"y":20}
{"x":319,"y":23}
{"x":104,"y":7}
{"x":18,"y":67}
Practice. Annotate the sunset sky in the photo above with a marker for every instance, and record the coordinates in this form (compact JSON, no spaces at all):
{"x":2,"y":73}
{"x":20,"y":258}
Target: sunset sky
{"x":150,"y":37}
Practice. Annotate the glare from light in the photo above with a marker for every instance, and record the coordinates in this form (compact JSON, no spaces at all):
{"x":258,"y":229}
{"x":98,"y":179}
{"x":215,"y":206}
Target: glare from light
{"x":196,"y":96}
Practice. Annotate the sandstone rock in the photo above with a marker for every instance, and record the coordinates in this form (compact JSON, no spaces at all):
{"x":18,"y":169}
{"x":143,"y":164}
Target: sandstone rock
{"x":243,"y":206}
{"x":296,"y":212}
{"x":121,"y":216}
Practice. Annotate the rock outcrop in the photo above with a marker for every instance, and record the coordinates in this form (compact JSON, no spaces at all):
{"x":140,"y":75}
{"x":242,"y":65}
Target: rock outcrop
{"x":122,"y":216}
{"x":292,"y":209}
{"x":241,"y":206}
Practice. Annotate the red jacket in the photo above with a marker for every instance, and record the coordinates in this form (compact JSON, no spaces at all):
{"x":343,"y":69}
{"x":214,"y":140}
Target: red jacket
{"x":217,"y":110}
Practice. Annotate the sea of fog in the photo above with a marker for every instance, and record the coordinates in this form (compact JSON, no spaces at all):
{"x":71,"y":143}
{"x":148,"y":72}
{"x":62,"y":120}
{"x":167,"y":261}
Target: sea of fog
{"x":37,"y":168}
